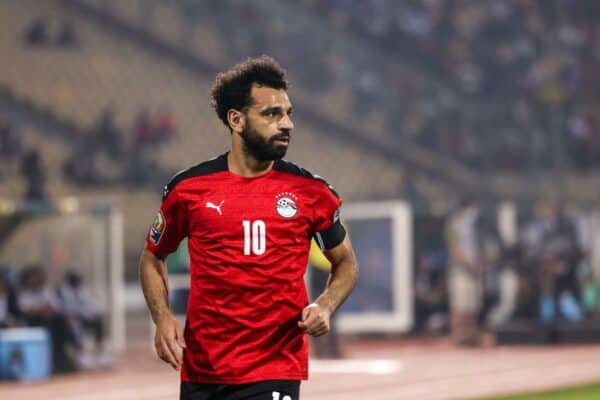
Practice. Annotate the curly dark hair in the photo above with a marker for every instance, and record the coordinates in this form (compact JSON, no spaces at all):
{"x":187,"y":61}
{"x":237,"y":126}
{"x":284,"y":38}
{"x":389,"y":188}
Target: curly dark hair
{"x":232,"y":88}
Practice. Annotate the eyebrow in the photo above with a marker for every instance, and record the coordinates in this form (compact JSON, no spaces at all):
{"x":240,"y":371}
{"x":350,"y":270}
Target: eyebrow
{"x":274,"y":108}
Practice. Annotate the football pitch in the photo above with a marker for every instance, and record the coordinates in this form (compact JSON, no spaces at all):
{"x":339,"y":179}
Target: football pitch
{"x":585,"y":392}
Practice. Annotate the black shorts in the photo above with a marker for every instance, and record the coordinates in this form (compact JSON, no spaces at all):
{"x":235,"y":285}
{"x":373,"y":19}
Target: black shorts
{"x":263,"y":390}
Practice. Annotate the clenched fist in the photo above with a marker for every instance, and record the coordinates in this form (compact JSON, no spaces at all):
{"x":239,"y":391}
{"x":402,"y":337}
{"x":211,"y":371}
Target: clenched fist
{"x":315,"y":320}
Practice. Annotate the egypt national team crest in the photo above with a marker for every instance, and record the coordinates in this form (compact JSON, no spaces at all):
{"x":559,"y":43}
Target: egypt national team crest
{"x":158,"y":228}
{"x":286,"y":205}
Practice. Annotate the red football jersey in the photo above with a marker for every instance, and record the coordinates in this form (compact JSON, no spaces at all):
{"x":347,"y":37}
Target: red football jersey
{"x":248,"y":240}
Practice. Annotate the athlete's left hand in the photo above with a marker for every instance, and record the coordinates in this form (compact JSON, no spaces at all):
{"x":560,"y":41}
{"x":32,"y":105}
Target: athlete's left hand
{"x":315,"y":320}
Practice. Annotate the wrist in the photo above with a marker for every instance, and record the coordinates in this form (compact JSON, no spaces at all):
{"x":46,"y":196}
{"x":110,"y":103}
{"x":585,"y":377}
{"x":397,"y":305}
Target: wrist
{"x":162,"y":316}
{"x":325,"y":305}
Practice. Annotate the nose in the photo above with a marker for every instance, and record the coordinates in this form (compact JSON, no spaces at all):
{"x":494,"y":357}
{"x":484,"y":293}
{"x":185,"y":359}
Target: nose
{"x":286,"y":123}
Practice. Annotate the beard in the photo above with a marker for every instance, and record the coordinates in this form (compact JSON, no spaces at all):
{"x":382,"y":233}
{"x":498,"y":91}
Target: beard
{"x":261,"y":148}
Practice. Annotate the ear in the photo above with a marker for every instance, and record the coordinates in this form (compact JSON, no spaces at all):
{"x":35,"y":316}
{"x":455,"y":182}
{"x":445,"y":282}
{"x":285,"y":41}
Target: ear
{"x":236,"y":120}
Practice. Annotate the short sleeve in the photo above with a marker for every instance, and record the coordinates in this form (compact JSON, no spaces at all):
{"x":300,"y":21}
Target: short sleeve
{"x":327,"y":227}
{"x":168,"y":228}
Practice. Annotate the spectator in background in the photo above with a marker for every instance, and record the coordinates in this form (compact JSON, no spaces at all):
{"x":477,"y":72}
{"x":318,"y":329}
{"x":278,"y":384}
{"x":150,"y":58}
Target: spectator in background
{"x":34,"y":173}
{"x":79,"y":304}
{"x":149,"y":130}
{"x":106,"y":133}
{"x":7,"y":319}
{"x":39,"y":306}
{"x":590,"y":288}
{"x":36,"y":34}
{"x":81,"y":168}
{"x":431,"y":307}
{"x":465,"y":282}
{"x":164,"y":128}
{"x":143,"y":129}
{"x":10,"y":143}
{"x":506,"y":281}
{"x":559,"y":257}
{"x":66,"y":34}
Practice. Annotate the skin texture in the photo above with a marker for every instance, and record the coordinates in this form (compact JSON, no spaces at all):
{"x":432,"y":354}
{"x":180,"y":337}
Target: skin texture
{"x":269,"y":117}
{"x":168,"y":339}
{"x":342,"y":279}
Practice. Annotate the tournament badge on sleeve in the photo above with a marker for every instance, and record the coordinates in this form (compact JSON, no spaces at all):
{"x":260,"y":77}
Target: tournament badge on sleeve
{"x":158,"y":227}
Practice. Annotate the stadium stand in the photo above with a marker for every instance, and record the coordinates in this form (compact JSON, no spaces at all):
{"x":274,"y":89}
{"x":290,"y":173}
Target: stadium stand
{"x":328,"y":108}
{"x":429,"y":94}
{"x":67,"y":94}
{"x":108,"y":80}
{"x":518,"y":61}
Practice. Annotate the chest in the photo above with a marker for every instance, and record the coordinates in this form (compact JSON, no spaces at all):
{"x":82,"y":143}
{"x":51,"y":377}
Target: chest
{"x":281,"y":213}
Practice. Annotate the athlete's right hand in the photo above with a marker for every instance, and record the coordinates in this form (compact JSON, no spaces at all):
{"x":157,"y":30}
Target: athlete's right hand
{"x":169,"y":341}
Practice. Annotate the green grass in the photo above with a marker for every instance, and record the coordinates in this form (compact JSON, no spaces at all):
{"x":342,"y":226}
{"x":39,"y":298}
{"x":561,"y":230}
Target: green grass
{"x":587,"y":392}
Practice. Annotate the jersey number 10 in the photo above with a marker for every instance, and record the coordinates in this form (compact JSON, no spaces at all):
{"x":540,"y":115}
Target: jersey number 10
{"x":255,"y":237}
{"x":277,"y":396}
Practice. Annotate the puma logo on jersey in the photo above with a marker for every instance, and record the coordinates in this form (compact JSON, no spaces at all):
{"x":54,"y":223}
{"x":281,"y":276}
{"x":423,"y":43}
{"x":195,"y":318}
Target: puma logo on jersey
{"x":212,"y":205}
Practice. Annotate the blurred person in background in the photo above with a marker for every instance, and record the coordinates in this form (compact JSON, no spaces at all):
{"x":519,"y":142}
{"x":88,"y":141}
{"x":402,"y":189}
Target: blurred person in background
{"x":164,"y":127}
{"x":249,"y":216}
{"x":36,"y":34}
{"x":40,"y":306}
{"x":67,"y":36}
{"x":431,"y":292}
{"x":106,"y":133}
{"x":465,"y":280}
{"x":10,"y":141}
{"x":590,"y":288}
{"x":87,"y":314}
{"x":500,"y":280}
{"x":142,"y":131}
{"x":506,"y":283}
{"x":559,"y":256}
{"x":7,"y":319}
{"x":33,"y":170}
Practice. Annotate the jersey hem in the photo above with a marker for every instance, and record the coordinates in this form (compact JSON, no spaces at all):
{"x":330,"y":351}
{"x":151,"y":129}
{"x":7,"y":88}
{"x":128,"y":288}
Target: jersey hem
{"x":238,"y":381}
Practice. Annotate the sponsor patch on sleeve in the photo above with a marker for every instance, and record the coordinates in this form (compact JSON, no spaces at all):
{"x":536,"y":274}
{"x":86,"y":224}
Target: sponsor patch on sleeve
{"x":158,"y":228}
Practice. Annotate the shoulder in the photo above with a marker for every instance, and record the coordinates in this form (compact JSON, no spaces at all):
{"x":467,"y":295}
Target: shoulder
{"x":212,"y":166}
{"x":294,"y":169}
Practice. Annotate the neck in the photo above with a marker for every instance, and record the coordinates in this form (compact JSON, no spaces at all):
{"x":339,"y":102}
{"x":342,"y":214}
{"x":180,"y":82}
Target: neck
{"x":245,"y":165}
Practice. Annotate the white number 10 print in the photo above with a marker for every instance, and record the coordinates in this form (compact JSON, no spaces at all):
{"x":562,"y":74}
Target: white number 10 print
{"x":255,"y":237}
{"x":277,"y":396}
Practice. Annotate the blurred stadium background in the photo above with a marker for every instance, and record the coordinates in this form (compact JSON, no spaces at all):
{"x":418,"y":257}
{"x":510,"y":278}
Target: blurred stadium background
{"x":409,"y":108}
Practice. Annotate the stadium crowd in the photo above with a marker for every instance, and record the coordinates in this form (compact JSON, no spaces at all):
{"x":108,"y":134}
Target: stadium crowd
{"x":473,"y":80}
{"x":110,"y":156}
{"x":513,"y":62}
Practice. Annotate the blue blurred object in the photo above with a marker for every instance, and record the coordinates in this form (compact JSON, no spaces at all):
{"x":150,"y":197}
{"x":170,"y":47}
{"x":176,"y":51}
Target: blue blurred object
{"x":570,"y":307}
{"x":547,"y":309}
{"x":25,"y":354}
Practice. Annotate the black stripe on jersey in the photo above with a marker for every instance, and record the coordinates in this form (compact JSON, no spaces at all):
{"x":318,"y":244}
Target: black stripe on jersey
{"x":214,"y":165}
{"x":291,"y":168}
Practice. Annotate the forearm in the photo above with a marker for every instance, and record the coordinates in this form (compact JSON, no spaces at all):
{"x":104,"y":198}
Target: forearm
{"x":341,"y":281}
{"x":154,"y":285}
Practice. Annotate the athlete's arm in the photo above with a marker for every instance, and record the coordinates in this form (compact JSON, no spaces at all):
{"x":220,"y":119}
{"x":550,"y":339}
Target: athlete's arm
{"x":344,"y":273}
{"x":153,"y":276}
